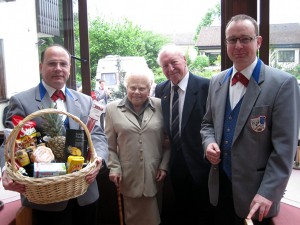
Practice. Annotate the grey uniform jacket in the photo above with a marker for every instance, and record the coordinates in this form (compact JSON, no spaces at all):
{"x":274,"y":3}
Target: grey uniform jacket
{"x":262,"y":153}
{"x":79,"y":105}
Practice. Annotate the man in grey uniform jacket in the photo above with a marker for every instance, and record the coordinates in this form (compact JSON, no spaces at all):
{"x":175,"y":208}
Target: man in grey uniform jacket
{"x":55,"y":70}
{"x":249,"y":131}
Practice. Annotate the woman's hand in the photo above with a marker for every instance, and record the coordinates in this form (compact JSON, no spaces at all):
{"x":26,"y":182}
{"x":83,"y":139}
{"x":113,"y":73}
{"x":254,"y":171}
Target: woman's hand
{"x":161,"y":175}
{"x":115,"y":178}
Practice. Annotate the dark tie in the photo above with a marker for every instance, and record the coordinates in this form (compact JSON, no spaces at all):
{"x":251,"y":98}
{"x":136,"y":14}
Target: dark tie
{"x":238,"y":77}
{"x":58,"y":94}
{"x":175,"y":115}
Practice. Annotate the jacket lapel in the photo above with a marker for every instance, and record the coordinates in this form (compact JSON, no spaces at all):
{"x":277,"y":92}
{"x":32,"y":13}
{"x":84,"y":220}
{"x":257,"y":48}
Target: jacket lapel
{"x":148,"y":113}
{"x":131,"y":117}
{"x":44,"y":101}
{"x":190,"y":98}
{"x":42,"y":97}
{"x":250,"y":97}
{"x":73,"y":107}
{"x":165,"y":104}
{"x":220,"y":99}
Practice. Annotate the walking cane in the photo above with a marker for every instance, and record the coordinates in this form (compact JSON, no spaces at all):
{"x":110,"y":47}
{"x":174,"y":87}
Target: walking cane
{"x":248,"y":222}
{"x":120,"y":206}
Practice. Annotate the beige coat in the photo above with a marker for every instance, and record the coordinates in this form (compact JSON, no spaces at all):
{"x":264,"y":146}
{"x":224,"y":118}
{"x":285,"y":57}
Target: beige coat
{"x":136,"y":152}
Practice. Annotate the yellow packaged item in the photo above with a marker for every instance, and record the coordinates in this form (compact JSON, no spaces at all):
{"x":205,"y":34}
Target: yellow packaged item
{"x":74,"y":163}
{"x":22,"y":157}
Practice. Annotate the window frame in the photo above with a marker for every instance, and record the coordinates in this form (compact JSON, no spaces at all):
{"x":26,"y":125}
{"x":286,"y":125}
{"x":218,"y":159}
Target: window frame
{"x":3,"y":94}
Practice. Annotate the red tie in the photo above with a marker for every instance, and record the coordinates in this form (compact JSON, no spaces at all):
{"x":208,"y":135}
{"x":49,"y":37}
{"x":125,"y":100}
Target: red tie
{"x":241,"y":78}
{"x":58,"y":94}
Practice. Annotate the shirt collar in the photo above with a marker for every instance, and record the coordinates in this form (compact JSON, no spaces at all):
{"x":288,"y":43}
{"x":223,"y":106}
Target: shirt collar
{"x":125,"y":103}
{"x":183,"y":83}
{"x":247,"y":72}
{"x":51,"y":90}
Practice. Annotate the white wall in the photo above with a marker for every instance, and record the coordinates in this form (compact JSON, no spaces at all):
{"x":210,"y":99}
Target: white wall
{"x":19,"y":35}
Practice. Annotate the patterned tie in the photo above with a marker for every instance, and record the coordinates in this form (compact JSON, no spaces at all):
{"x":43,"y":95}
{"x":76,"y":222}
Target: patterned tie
{"x":175,"y":116}
{"x":239,"y":77}
{"x":58,"y":94}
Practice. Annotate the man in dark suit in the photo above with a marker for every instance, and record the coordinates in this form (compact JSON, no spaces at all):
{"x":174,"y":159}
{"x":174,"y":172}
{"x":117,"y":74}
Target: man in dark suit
{"x":55,"y":69}
{"x":188,"y":168}
{"x":250,"y":130}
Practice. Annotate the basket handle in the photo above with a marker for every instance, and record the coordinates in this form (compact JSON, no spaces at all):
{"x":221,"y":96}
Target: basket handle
{"x":10,"y":141}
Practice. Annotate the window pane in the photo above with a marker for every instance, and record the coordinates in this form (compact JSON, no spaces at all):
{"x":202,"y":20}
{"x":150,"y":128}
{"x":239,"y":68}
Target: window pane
{"x":286,"y":56}
{"x":2,"y":73}
{"x":284,"y":36}
{"x":110,"y":78}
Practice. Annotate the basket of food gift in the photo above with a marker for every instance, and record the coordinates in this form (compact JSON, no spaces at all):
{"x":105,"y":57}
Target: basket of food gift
{"x":55,"y":176}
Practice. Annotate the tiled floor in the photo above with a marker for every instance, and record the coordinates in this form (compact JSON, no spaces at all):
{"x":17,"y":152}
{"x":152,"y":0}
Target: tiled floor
{"x":289,"y":213}
{"x":292,"y":195}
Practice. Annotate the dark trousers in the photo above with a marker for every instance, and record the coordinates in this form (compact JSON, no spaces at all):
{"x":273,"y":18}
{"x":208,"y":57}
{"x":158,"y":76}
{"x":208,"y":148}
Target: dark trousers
{"x":191,"y":198}
{"x":225,"y":212}
{"x":73,"y":214}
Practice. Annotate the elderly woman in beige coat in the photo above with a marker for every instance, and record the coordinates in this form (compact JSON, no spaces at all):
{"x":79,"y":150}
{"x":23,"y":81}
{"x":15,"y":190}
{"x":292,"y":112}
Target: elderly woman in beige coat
{"x":138,"y":149}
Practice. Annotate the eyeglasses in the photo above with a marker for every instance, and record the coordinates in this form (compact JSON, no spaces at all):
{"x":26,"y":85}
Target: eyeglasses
{"x":243,"y":40}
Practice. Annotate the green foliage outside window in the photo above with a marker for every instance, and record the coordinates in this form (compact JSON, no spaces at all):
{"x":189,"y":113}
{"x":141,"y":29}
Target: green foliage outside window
{"x":199,"y":63}
{"x":119,"y":38}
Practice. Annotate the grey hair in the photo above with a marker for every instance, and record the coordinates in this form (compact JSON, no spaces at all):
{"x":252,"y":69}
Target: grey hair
{"x":142,"y":72}
{"x":170,"y":48}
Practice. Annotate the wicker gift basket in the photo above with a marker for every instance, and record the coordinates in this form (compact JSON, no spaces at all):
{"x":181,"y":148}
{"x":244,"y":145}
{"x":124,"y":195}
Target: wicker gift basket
{"x":49,"y":189}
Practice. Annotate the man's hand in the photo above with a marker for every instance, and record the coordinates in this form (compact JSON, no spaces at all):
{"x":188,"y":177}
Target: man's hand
{"x":260,"y":204}
{"x":116,"y":179}
{"x":11,"y":185}
{"x":93,"y":174}
{"x":213,"y":153}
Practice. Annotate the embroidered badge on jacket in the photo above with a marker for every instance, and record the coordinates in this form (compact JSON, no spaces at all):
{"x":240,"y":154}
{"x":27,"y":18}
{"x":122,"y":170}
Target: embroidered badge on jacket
{"x":258,"y":124}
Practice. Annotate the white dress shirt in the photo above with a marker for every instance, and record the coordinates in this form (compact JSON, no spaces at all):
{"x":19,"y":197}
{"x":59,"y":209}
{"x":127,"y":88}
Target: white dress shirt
{"x":61,"y":105}
{"x":237,"y":91}
{"x":181,"y":93}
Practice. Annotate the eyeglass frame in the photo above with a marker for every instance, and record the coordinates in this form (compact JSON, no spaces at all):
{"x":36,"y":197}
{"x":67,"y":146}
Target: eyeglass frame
{"x":247,"y":40}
